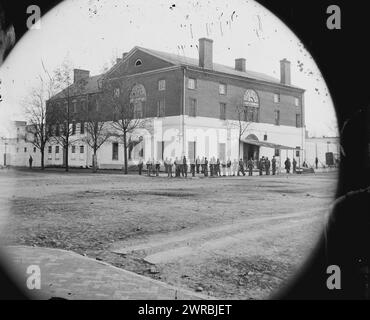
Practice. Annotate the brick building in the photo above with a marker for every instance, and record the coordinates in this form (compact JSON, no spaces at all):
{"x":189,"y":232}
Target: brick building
{"x":194,"y":107}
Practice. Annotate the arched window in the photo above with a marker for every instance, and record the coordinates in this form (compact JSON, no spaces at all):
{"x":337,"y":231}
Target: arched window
{"x":251,"y":105}
{"x":137,"y":100}
{"x":138,"y":62}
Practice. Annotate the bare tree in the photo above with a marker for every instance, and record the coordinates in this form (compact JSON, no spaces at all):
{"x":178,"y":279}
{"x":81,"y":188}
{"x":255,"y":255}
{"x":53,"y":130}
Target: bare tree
{"x":127,"y":112}
{"x":61,"y":114}
{"x":241,"y":124}
{"x":35,"y":109}
{"x":97,"y":128}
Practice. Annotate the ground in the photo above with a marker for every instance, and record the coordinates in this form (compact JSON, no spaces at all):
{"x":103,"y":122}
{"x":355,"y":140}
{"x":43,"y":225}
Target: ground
{"x":229,"y":237}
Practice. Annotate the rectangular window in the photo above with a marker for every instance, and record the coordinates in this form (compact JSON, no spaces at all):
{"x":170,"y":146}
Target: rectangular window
{"x":207,"y":147}
{"x":276,"y":97}
{"x":115,"y":151}
{"x":139,"y":109}
{"x":73,"y":128}
{"x":73,"y":149}
{"x":296,"y":102}
{"x":277,"y":152}
{"x":223,"y":111}
{"x":82,"y":128}
{"x":193,"y":108}
{"x":83,"y":106}
{"x":191,"y":150}
{"x":160,"y":150}
{"x":50,"y":149}
{"x":251,"y":114}
{"x":277,"y":117}
{"x":297,"y":149}
{"x":222,"y":151}
{"x":116,"y":92}
{"x":161,"y":108}
{"x":162,"y":85}
{"x":222,"y":88}
{"x":191,"y":83}
{"x":82,"y":149}
{"x":25,"y":149}
{"x":298,"y":120}
{"x":56,"y":149}
{"x":34,"y":149}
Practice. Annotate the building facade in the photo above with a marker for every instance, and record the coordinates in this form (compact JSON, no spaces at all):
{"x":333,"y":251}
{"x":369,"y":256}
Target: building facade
{"x":192,"y":107}
{"x":319,"y":147}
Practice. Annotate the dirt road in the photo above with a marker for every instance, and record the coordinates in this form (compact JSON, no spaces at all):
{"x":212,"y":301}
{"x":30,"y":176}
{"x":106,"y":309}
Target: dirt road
{"x":234,"y":237}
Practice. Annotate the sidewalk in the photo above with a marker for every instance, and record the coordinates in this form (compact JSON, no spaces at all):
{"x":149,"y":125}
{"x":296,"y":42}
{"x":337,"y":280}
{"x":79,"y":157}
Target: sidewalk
{"x":68,"y":275}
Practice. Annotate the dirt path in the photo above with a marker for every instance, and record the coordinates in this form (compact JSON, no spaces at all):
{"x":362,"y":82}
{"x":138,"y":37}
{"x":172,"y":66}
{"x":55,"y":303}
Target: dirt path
{"x":235,"y":237}
{"x":165,"y":248}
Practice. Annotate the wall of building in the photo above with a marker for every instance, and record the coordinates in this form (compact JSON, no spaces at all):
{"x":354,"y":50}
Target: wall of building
{"x":209,"y":99}
{"x":318,"y":147}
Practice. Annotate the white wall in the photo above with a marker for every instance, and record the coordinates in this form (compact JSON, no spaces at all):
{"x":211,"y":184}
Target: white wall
{"x":207,"y":132}
{"x":318,"y":147}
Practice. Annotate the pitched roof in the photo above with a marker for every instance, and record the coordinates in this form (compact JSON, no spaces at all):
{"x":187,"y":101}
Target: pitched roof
{"x":182,"y":60}
{"x":91,"y":86}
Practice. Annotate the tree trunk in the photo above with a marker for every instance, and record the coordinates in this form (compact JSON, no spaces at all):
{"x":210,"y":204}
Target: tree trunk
{"x":239,"y":148}
{"x":95,"y":161}
{"x":42,"y":158}
{"x":66,"y":155}
{"x":125,"y":151}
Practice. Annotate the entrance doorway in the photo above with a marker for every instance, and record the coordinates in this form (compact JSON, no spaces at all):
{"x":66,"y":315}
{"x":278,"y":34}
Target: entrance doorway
{"x":250,"y":151}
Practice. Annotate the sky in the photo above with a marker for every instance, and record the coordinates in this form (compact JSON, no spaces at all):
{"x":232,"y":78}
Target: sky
{"x":90,"y":33}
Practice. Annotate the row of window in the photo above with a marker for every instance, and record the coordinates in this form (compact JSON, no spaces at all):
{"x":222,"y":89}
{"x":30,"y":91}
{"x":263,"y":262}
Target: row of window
{"x":73,"y":149}
{"x":251,"y":114}
{"x":58,"y":128}
{"x":222,"y":90}
{"x":298,"y":119}
{"x":25,"y":149}
{"x":277,"y":99}
{"x":79,"y":105}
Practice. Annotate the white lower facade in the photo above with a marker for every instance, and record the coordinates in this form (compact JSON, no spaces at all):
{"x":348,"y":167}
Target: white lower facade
{"x":174,"y":137}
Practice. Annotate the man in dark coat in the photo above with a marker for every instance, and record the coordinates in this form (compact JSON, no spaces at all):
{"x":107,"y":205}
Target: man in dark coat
{"x":273,"y":164}
{"x":184,"y":168}
{"x":205,"y":167}
{"x":140,"y":166}
{"x":197,"y":164}
{"x":294,"y":165}
{"x":267,"y":166}
{"x":250,"y":167}
{"x":261,"y":165}
{"x":287,"y":165}
{"x":177,"y":167}
{"x":241,"y":167}
{"x":192,"y":167}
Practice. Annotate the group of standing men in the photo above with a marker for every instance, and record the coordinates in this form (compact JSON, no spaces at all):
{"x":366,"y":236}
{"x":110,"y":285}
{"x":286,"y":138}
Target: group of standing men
{"x":212,"y":167}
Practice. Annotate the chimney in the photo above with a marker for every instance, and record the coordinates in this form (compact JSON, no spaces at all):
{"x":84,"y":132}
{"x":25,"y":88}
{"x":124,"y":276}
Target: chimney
{"x":118,"y":60}
{"x":124,"y":55}
{"x":240,"y":64}
{"x":205,"y":53}
{"x":79,"y":74}
{"x":285,"y":72}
